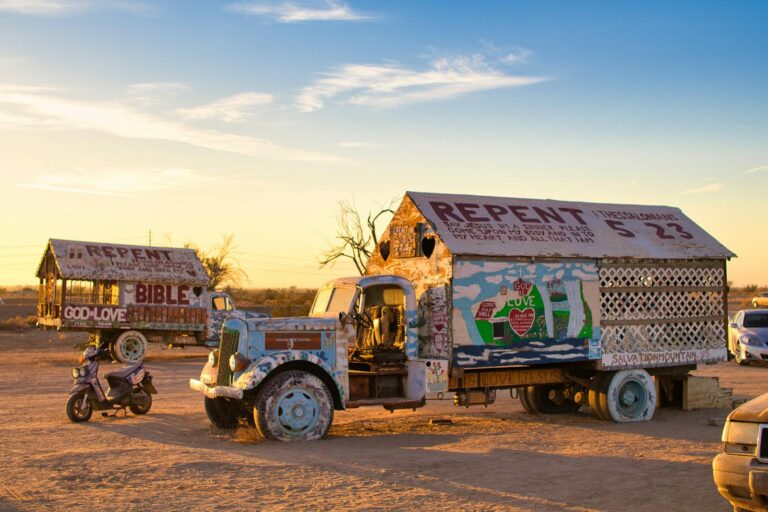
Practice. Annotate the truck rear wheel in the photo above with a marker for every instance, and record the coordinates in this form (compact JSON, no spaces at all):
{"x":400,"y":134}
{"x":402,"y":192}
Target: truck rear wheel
{"x":293,"y":406}
{"x":548,"y":399}
{"x":630,"y":396}
{"x":596,"y":396}
{"x":129,"y":346}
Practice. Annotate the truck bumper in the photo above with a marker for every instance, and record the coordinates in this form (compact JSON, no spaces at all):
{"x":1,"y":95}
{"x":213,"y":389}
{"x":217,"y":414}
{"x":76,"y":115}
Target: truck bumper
{"x":216,"y":391}
{"x":742,"y":480}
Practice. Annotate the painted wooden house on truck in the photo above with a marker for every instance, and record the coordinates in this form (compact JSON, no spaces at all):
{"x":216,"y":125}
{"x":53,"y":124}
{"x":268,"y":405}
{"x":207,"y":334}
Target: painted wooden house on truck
{"x":601,"y":294}
{"x":127,"y":295}
{"x":569,"y":304}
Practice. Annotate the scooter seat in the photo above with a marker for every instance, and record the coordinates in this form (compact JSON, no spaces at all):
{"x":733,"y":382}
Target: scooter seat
{"x":125,"y":370}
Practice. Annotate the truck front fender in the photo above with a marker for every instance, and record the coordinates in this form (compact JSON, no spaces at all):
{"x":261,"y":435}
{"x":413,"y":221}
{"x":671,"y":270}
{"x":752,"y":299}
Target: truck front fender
{"x":260,"y":369}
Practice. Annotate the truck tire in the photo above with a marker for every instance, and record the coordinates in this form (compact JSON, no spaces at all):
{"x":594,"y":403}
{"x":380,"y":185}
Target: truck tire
{"x":128,"y":347}
{"x":596,"y":396}
{"x":631,"y":396}
{"x":293,"y":406}
{"x":523,"y":396}
{"x":221,"y":412}
{"x":549,"y":399}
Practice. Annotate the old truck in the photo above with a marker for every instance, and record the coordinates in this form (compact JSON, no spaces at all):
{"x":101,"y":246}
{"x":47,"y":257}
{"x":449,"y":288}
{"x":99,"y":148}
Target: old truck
{"x":127,"y":295}
{"x":565,"y":304}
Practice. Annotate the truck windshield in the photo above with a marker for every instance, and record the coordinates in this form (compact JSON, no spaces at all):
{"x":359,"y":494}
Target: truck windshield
{"x":756,"y":320}
{"x":333,"y":300}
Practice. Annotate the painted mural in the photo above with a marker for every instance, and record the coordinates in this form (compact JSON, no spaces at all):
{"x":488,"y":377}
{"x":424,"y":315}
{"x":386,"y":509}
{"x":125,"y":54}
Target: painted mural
{"x":522,"y":313}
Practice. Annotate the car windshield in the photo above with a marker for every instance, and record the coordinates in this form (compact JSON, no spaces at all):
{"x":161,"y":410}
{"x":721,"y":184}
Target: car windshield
{"x":756,"y":320}
{"x":333,"y":300}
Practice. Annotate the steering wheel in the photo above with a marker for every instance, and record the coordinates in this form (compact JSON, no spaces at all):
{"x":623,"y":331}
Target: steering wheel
{"x":363,"y":319}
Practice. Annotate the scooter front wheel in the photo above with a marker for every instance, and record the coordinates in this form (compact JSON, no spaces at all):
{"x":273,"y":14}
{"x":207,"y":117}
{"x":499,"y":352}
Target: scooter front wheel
{"x":79,"y":408}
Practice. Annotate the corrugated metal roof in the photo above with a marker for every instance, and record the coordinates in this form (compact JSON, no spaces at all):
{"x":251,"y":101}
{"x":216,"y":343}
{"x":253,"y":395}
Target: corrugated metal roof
{"x":501,"y":226}
{"x":117,"y":262}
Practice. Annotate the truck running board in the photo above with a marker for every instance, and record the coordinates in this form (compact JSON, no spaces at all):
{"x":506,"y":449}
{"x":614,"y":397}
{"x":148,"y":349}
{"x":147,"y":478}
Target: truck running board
{"x":389,"y":404}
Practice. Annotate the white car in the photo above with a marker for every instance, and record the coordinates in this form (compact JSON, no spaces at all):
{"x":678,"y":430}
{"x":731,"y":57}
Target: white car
{"x":748,"y":336}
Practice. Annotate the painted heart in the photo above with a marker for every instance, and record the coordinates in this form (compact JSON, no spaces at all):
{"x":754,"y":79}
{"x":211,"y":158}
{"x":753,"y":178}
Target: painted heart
{"x":521,"y":320}
{"x":427,"y":246}
{"x":522,"y":287}
{"x":384,"y":249}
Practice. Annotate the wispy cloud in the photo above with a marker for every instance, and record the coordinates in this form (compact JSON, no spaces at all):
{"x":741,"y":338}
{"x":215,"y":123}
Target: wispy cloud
{"x":391,"y":85}
{"x":117,"y":182}
{"x":360,"y":144}
{"x":294,"y":12}
{"x":712,"y":187}
{"x":761,"y":168}
{"x":67,"y":7}
{"x":48,"y":109}
{"x":229,"y":109}
{"x":149,"y":93}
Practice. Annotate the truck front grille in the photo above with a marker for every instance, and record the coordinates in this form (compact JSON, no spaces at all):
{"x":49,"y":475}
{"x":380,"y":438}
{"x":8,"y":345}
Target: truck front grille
{"x":227,"y":347}
{"x":762,"y":444}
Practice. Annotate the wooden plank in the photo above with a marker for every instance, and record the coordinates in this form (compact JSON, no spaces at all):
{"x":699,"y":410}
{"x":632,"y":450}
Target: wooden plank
{"x":633,"y":289}
{"x":682,"y":320}
{"x":507,"y":378}
{"x":705,"y":393}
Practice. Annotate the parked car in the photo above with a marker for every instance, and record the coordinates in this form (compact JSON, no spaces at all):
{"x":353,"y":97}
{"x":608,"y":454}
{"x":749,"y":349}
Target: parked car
{"x":748,"y":336}
{"x":760,"y":300}
{"x":740,"y":470}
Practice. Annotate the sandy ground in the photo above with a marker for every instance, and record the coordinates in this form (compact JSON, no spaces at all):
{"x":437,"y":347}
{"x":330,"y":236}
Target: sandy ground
{"x":499,"y":458}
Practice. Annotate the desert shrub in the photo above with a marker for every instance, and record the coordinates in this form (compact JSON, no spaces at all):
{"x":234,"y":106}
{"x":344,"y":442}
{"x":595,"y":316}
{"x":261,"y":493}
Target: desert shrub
{"x":750,"y":288}
{"x":18,"y":323}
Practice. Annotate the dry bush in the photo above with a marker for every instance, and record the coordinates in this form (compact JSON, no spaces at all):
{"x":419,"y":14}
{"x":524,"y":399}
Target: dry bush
{"x":18,"y":323}
{"x":277,"y":302}
{"x":247,"y":435}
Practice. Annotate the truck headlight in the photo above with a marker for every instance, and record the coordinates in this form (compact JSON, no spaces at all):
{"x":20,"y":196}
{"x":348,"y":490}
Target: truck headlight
{"x":213,"y":358}
{"x":238,"y":362}
{"x":740,"y":438}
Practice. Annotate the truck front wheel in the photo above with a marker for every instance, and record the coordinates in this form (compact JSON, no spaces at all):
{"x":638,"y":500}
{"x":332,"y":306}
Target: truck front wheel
{"x":293,"y":406}
{"x":221,"y":412}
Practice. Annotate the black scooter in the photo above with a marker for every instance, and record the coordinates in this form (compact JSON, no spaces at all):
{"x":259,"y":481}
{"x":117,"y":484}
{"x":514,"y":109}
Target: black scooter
{"x":130,"y":386}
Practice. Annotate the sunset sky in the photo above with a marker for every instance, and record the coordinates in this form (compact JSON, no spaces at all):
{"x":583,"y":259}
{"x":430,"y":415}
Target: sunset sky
{"x":199,"y":119}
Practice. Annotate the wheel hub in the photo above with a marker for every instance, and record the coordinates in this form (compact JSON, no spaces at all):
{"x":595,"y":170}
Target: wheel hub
{"x":297,"y":410}
{"x":632,"y":398}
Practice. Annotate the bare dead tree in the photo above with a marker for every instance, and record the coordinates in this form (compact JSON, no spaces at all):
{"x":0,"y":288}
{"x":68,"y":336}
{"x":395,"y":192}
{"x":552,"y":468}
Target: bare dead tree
{"x":221,"y":265}
{"x":354,"y":238}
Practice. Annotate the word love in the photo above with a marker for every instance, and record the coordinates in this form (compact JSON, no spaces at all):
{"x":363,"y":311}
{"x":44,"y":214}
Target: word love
{"x":95,"y":313}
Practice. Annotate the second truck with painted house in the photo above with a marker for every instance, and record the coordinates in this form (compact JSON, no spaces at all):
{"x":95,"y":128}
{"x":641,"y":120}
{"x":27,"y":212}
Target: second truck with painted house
{"x":570,"y":304}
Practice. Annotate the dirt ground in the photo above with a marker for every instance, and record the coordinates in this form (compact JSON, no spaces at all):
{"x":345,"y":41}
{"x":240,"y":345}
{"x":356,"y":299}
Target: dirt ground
{"x":499,"y":458}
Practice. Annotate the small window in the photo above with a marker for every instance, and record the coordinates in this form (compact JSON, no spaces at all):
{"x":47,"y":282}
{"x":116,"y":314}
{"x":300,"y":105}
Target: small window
{"x":219,"y":303}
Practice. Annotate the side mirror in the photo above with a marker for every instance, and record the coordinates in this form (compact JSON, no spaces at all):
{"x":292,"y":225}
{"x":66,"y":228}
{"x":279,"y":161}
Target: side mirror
{"x":342,"y":317}
{"x":734,"y":325}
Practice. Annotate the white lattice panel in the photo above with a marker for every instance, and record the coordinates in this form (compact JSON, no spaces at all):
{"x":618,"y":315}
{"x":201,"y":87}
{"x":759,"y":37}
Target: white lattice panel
{"x":653,"y":305}
{"x":614,"y":277}
{"x":662,"y":308}
{"x":663,"y":337}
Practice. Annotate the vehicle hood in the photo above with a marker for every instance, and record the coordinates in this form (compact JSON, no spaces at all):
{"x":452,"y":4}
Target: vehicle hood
{"x":301,"y":323}
{"x":755,"y":411}
{"x":246,"y":315}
